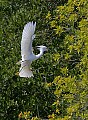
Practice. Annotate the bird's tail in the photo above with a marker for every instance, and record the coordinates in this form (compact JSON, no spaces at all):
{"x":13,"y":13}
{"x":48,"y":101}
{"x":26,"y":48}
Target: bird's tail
{"x":25,"y":70}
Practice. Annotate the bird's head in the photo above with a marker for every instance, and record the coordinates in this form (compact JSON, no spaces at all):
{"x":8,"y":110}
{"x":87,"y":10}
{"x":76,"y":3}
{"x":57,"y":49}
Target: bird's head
{"x":42,"y":48}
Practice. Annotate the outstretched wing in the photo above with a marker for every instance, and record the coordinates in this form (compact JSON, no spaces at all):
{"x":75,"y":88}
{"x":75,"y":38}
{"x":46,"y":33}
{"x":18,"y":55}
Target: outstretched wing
{"x":27,"y":37}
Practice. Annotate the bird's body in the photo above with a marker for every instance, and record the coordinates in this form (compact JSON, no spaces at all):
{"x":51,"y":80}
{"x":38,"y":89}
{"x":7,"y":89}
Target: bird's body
{"x":26,"y":50}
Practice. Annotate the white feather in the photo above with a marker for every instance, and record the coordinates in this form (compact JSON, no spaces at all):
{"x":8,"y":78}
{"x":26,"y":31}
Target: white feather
{"x":26,"y":50}
{"x":24,"y":70}
{"x":27,"y":37}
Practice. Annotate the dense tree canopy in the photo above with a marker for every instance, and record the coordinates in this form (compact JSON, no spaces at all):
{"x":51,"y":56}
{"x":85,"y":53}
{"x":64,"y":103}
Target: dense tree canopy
{"x":59,"y":88}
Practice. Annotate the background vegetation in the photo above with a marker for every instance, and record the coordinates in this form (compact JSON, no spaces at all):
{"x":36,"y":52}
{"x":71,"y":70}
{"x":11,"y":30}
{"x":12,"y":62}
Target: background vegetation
{"x":59,"y":88}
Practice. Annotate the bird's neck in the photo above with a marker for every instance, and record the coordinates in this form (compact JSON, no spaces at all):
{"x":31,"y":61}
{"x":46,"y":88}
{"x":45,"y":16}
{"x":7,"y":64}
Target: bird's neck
{"x":40,"y":54}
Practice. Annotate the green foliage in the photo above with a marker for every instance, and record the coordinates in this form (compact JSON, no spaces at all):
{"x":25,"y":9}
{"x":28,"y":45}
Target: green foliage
{"x":21,"y":94}
{"x":59,"y":88}
{"x":71,"y":84}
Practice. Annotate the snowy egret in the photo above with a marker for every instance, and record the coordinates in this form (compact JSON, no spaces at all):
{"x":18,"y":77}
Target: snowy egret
{"x":26,"y":50}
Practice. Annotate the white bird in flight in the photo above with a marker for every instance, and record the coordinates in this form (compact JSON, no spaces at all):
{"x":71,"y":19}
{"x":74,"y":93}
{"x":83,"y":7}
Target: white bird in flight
{"x":26,"y":50}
